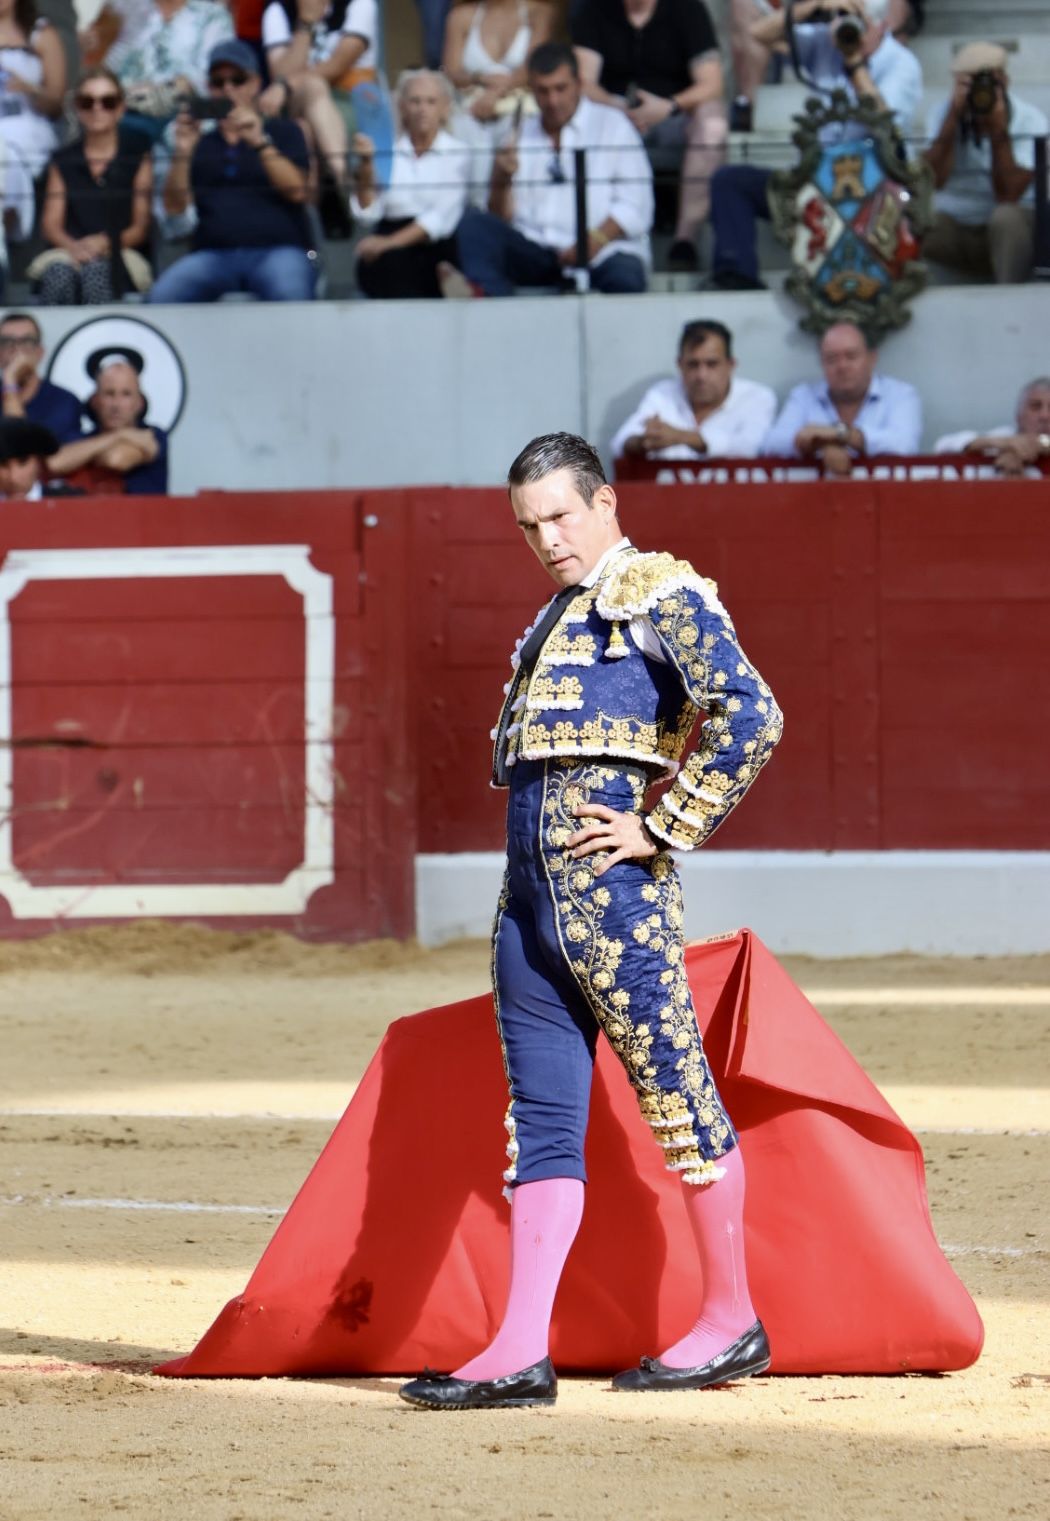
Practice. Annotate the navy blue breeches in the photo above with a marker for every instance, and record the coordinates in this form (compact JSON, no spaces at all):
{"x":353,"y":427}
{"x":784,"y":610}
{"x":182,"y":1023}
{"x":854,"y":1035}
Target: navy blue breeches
{"x":574,"y":954}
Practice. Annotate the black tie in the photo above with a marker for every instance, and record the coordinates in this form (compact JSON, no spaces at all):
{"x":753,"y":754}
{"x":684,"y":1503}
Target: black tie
{"x":530,"y":650}
{"x":528,"y":656}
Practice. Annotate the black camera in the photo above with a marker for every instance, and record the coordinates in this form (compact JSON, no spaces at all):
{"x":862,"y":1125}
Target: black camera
{"x":205,"y":108}
{"x":847,"y":28}
{"x":984,"y":92}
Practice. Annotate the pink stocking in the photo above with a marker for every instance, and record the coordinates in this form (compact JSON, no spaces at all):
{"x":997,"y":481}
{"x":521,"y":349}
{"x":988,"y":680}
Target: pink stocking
{"x":544,"y":1219}
{"x":716,"y":1213}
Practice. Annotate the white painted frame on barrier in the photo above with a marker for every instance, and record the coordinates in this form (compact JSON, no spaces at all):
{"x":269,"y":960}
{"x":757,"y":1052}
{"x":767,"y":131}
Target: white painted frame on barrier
{"x":208,"y":899}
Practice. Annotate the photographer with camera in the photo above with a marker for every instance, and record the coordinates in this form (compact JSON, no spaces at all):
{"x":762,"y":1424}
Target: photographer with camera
{"x":982,"y":155}
{"x":242,"y":187}
{"x":845,"y":45}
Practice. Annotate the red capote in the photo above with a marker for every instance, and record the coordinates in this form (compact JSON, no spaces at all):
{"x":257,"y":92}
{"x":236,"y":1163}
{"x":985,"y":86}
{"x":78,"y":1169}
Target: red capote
{"x":394,"y":1253}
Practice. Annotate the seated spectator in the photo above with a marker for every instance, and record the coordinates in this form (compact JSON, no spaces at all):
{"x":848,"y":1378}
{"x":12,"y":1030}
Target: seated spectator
{"x":487,"y":47}
{"x":32,"y":87}
{"x":528,"y":236}
{"x":244,"y":185}
{"x":123,"y":453}
{"x":705,"y":409}
{"x":160,"y":57}
{"x":414,"y":221}
{"x":25,"y":394}
{"x":852,"y":411}
{"x":658,"y":61}
{"x":878,"y":68}
{"x":751,"y":55}
{"x":982,"y":155}
{"x":24,"y":446}
{"x":99,"y":189}
{"x":1016,"y":445}
{"x":324,"y":54}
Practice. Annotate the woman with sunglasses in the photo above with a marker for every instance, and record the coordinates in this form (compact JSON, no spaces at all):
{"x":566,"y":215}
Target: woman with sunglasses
{"x":32,"y":86}
{"x":97,"y":204}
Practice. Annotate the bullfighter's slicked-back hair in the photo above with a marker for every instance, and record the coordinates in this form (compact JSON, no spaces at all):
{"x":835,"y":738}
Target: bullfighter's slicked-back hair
{"x":559,"y":451}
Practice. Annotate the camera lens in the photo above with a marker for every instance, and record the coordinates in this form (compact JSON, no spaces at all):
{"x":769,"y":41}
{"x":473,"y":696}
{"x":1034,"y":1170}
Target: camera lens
{"x":847,"y":32}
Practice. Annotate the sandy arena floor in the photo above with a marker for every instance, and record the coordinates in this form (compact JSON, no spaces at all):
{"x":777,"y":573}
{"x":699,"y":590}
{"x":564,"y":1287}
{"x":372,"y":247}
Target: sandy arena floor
{"x":163,"y":1093}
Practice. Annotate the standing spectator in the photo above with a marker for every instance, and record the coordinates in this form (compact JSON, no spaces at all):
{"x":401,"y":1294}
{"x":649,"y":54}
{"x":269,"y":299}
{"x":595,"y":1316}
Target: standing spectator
{"x":245,"y":185}
{"x":415,"y":219}
{"x":487,"y":48}
{"x":877,"y":67}
{"x":99,"y":190}
{"x":982,"y":154}
{"x":324,"y":53}
{"x":853,"y":411}
{"x":124,"y":452}
{"x":1014,"y":445}
{"x":25,"y":394}
{"x":32,"y":86}
{"x":658,"y":61}
{"x":528,"y":236}
{"x":162,"y":56}
{"x":705,"y":409}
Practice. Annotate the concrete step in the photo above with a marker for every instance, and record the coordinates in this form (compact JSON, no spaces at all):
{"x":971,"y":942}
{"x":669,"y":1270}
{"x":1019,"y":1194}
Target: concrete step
{"x":973,"y":18}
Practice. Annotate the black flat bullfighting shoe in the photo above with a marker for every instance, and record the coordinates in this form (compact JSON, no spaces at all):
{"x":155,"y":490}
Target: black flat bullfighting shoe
{"x":537,"y":1385}
{"x":747,"y":1355}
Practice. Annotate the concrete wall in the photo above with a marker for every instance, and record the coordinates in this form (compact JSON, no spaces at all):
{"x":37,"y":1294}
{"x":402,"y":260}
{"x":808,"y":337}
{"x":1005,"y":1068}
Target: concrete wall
{"x":392,"y":393}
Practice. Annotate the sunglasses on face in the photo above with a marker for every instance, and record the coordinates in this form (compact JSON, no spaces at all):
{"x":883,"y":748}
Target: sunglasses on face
{"x":220,"y":81}
{"x":105,"y":102}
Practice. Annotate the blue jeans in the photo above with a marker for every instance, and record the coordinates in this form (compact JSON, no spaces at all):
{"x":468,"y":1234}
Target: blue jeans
{"x":432,"y":14}
{"x":271,"y":274}
{"x":497,"y":257}
{"x":738,"y":198}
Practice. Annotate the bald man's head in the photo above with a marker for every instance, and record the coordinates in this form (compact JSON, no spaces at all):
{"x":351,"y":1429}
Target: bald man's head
{"x":117,"y":402}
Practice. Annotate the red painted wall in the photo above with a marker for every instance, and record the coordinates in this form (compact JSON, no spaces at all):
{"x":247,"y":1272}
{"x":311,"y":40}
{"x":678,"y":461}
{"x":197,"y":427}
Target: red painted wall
{"x":156,"y":726}
{"x":904,"y":628}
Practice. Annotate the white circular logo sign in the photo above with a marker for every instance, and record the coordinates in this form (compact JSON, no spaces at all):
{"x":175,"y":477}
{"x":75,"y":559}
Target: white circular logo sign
{"x":77,"y":360}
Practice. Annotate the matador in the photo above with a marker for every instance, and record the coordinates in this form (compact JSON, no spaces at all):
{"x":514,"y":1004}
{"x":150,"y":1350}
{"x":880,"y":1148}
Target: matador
{"x":605,"y":691}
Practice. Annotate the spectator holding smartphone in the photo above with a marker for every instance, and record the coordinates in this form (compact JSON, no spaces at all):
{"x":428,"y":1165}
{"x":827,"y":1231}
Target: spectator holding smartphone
{"x":244,"y":185}
{"x":98,"y":195}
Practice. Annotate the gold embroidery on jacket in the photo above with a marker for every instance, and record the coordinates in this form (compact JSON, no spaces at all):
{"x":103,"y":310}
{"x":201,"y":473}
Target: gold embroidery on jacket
{"x":595,"y":958}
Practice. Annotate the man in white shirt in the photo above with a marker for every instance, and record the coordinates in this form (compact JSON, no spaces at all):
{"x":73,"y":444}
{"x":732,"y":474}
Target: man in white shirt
{"x":982,"y":154}
{"x":528,"y":235}
{"x":877,"y":67}
{"x":854,"y":410}
{"x":705,"y":409}
{"x":1014,"y":446}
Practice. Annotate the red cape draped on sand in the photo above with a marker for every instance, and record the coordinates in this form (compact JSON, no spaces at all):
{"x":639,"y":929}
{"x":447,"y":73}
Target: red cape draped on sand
{"x":394,"y":1252}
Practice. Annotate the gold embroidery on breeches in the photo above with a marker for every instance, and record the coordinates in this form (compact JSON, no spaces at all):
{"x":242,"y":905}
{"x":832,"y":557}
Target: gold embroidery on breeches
{"x":621,"y":936}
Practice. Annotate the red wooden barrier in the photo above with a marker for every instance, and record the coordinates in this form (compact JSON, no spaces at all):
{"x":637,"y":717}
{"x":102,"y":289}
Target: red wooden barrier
{"x":256,"y":709}
{"x":204,"y":713}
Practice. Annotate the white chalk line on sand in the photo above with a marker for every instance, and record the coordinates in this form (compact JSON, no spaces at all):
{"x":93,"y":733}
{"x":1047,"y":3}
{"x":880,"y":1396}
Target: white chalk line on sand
{"x":175,"y":1206}
{"x":330,"y":1119}
{"x":190,"y":1207}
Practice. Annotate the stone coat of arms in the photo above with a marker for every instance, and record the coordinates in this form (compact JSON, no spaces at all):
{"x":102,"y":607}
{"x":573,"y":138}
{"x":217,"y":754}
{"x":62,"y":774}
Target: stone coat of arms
{"x":854,"y":211}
